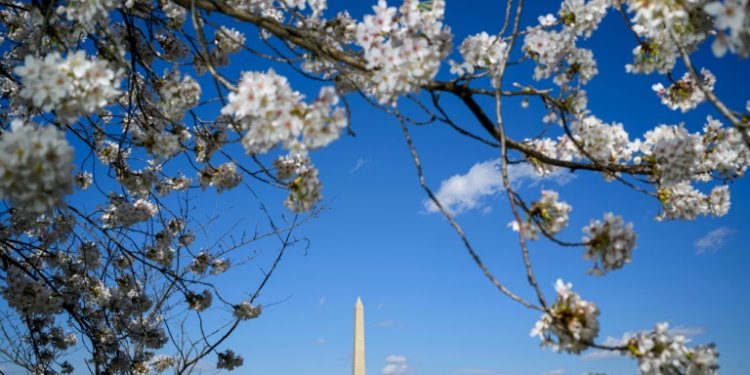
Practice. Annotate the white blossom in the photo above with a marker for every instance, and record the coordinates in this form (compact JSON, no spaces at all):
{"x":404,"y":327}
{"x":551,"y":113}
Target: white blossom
{"x":177,"y":96}
{"x":246,"y":311}
{"x":731,"y":21}
{"x":76,"y":85}
{"x":304,"y":185}
{"x":403,"y":47}
{"x":29,"y":296}
{"x":609,"y":244}
{"x":482,"y":51}
{"x":271,"y":113}
{"x":674,"y":153}
{"x":570,"y":324}
{"x":725,"y":151}
{"x":224,"y":177}
{"x":87,"y":12}
{"x":548,"y":213}
{"x":685,"y":94}
{"x":661,"y":352}
{"x":36,"y":164}
{"x":605,"y":143}
{"x":121,"y":213}
{"x":228,"y":40}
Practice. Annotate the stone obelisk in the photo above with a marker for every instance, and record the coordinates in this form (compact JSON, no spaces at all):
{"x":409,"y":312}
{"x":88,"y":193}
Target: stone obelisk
{"x":358,"y":364}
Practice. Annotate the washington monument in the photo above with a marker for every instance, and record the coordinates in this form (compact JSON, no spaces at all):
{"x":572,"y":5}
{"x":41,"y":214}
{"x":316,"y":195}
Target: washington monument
{"x":358,"y":363}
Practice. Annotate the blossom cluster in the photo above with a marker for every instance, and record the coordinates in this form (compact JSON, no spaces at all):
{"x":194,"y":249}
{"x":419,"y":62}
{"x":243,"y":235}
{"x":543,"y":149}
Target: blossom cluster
{"x":204,"y":260}
{"x":177,"y":96}
{"x":223,"y":177}
{"x":35,"y":167}
{"x":609,"y":244}
{"x":732,"y":22}
{"x":481,"y":51}
{"x":29,"y":296}
{"x":683,"y":201}
{"x":725,"y":151}
{"x":71,"y":86}
{"x":199,"y":301}
{"x":228,"y":360}
{"x":246,"y":311}
{"x":271,"y":113}
{"x":304,"y":185}
{"x":674,"y":152}
{"x":403,"y":47}
{"x":122,"y":213}
{"x":570,"y":324}
{"x":549,"y":214}
{"x":555,"y":51}
{"x":227,"y":41}
{"x":676,"y":158}
{"x":661,"y":352}
{"x":685,"y":94}
{"x":87,"y":12}
{"x":603,"y":143}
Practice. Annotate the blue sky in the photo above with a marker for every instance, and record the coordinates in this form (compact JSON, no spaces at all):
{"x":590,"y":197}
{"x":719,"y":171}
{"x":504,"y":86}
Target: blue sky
{"x":424,"y":298}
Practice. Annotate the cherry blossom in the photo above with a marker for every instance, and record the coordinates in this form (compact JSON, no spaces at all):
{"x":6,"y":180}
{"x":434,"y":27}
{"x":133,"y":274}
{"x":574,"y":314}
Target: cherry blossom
{"x":685,"y":94}
{"x":609,"y":244}
{"x":36,"y":166}
{"x":570,"y":324}
{"x":73,"y":86}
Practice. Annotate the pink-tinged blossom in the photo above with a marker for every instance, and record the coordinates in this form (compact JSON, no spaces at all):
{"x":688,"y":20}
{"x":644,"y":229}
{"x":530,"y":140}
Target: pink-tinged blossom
{"x":674,"y":153}
{"x":404,"y":49}
{"x":271,"y":114}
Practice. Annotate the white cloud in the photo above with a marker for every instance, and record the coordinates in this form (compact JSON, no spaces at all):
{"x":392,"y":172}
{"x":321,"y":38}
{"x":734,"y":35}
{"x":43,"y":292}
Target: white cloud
{"x":713,"y":240}
{"x":380,"y":306}
{"x":386,"y":323}
{"x":557,"y":371}
{"x":323,"y":300}
{"x":464,"y":192}
{"x":320,"y":341}
{"x":396,"y":365}
{"x":361,"y":162}
{"x":480,"y":371}
{"x":688,"y":332}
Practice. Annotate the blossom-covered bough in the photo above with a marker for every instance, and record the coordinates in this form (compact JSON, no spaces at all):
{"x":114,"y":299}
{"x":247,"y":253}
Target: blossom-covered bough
{"x":115,"y":113}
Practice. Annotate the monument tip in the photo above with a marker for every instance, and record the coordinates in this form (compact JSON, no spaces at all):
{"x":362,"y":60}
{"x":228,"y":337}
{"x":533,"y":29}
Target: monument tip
{"x":359,"y":301}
